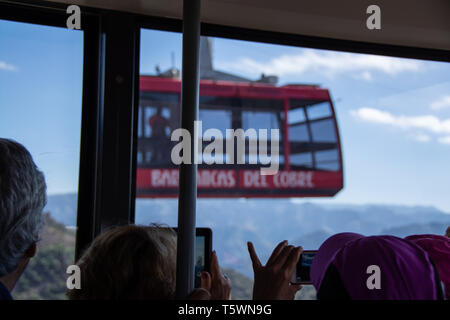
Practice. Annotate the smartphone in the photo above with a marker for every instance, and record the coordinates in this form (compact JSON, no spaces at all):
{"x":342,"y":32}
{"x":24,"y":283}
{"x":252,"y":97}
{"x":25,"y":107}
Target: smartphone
{"x":202,"y":252}
{"x":302,"y":271}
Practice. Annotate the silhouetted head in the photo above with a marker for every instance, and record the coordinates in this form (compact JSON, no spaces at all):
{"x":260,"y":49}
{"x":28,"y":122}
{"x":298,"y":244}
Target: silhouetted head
{"x":129,"y":262}
{"x":352,"y":266}
{"x":22,"y":199}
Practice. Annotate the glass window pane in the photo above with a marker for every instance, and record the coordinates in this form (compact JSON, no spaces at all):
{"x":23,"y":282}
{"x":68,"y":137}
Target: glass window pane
{"x":301,"y":159}
{"x":158,"y":116}
{"x":327,"y":155}
{"x":215,"y":119}
{"x":323,"y":131}
{"x":299,"y":133}
{"x":41,"y":74}
{"x":296,"y":115}
{"x":160,"y":66}
{"x":259,"y":120}
{"x":320,"y":110}
{"x":329,"y":166}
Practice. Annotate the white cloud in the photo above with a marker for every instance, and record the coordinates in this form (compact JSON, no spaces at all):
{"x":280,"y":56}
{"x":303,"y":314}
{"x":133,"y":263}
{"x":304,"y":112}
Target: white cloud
{"x":444,"y":140}
{"x":329,"y":63}
{"x":426,"y":122}
{"x":7,"y":66}
{"x":442,"y":103}
{"x":373,"y":115}
{"x":417,"y":124}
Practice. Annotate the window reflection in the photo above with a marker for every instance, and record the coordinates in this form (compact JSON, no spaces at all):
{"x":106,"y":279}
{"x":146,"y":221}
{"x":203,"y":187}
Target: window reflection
{"x":323,"y":131}
{"x":320,"y":110}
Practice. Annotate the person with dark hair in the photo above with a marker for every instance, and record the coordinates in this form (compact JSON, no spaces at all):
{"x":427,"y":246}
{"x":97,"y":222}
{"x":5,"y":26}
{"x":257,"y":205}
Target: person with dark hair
{"x":352,"y":266}
{"x":22,"y":200}
{"x":139,"y":263}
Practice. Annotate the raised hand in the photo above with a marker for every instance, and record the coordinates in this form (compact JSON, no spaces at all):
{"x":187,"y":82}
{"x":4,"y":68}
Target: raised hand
{"x":272,"y":281}
{"x":216,"y":283}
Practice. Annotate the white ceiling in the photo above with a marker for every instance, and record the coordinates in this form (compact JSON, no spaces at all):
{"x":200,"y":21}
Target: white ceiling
{"x":415,"y":23}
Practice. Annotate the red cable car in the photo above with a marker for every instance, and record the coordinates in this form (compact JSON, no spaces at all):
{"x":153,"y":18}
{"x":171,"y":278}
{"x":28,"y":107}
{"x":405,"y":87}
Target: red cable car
{"x":310,"y":158}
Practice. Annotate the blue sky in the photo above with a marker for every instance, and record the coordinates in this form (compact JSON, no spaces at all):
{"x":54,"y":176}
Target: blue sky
{"x":393,"y":114}
{"x":40,"y":97}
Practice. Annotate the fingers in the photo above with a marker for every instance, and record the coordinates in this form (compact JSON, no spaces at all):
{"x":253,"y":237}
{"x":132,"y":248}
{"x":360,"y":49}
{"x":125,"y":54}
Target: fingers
{"x":284,"y":254}
{"x":206,"y":280}
{"x":291,"y":261}
{"x":215,"y":269}
{"x":253,"y":256}
{"x":217,"y":284}
{"x":199,"y":294}
{"x":227,"y":288}
{"x":276,"y":252}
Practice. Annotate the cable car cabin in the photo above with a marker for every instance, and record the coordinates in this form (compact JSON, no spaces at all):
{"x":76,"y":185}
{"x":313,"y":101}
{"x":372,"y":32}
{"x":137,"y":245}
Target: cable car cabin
{"x":309,"y":161}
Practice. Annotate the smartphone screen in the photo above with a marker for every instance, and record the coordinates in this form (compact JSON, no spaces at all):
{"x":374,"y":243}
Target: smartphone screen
{"x":202,"y":252}
{"x":200,"y":258}
{"x":302,"y":271}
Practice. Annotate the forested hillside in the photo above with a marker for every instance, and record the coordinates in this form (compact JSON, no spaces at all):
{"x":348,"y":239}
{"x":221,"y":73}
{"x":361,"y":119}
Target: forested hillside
{"x":45,"y":276}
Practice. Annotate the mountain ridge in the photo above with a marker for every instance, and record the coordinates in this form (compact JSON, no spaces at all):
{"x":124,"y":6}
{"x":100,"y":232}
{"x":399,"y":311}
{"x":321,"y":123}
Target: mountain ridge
{"x":266,"y":222}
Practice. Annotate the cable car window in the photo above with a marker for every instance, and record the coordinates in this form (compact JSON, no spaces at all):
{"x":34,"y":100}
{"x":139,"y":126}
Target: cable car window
{"x":330,"y":166}
{"x":327,"y":155}
{"x":262,"y":114}
{"x":299,"y":133}
{"x":320,"y":110}
{"x":215,"y":119}
{"x":41,"y":75}
{"x":218,"y":120}
{"x":158,"y":116}
{"x":296,"y":116}
{"x":260,"y":120}
{"x":327,"y":160}
{"x":323,"y":131}
{"x":304,"y":159}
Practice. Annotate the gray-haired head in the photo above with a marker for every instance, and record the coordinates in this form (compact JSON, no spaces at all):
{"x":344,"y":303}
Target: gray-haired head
{"x":22,"y":199}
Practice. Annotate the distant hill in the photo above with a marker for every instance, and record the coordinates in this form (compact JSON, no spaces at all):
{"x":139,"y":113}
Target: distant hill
{"x":313,"y":240}
{"x":63,"y":208}
{"x":241,"y":286}
{"x":416,"y":228}
{"x":268,"y":221}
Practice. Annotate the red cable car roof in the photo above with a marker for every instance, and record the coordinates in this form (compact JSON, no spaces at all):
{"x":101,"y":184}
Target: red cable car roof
{"x":236,"y":89}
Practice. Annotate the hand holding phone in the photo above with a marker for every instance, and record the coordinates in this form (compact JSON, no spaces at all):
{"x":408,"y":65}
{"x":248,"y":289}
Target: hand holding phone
{"x":271,"y":281}
{"x":203,"y":252}
{"x":216,"y":283}
{"x":302,"y":271}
